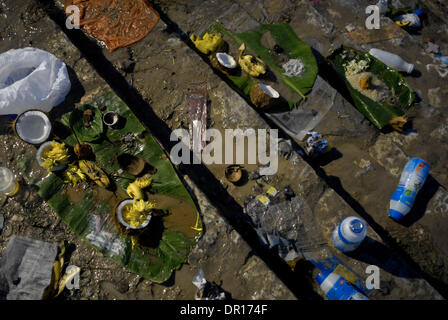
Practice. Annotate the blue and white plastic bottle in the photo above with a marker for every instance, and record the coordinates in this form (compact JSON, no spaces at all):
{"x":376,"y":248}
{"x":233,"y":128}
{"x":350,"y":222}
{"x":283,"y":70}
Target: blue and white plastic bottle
{"x":336,"y":287}
{"x":349,"y":234}
{"x":444,"y":59}
{"x":412,"y":180}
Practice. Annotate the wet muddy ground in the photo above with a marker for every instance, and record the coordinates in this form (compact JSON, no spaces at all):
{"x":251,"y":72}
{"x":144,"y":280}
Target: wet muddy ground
{"x":358,"y":180}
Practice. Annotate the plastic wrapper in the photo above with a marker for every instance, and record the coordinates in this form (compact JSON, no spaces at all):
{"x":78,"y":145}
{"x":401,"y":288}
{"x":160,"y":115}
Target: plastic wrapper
{"x":26,"y":269}
{"x":116,"y":22}
{"x":31,"y":78}
{"x":287,"y":227}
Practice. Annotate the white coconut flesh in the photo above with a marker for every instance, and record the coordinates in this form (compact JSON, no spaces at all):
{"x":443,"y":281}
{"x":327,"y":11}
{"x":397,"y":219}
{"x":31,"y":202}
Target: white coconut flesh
{"x":271,"y":92}
{"x":226,"y":60}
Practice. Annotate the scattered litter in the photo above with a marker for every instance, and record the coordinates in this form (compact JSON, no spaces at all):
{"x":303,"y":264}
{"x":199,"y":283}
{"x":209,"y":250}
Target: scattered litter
{"x":285,"y":148}
{"x":410,"y":20}
{"x":26,"y":269}
{"x":442,"y":69}
{"x":316,"y":145}
{"x":293,"y":68}
{"x":443,"y":59}
{"x":349,"y":234}
{"x":198,"y":115}
{"x":432,"y":48}
{"x":287,"y":227}
{"x":31,"y":78}
{"x":118,"y":23}
{"x":8,"y":183}
{"x":350,"y":28}
{"x":412,"y":180}
{"x":208,"y":290}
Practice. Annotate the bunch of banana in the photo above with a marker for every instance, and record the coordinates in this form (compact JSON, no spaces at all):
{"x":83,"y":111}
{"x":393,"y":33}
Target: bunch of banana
{"x":94,"y":173}
{"x":250,"y":64}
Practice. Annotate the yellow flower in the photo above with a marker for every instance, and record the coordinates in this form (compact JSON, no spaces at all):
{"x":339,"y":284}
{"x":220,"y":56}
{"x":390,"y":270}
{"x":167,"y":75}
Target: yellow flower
{"x":74,"y":175}
{"x":55,"y":155}
{"x":208,"y":43}
{"x":134,"y":190}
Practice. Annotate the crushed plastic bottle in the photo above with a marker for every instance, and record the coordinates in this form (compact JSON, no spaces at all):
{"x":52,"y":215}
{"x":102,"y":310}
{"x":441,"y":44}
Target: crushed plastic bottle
{"x":349,"y":234}
{"x":444,"y":59}
{"x":336,"y":287}
{"x":412,"y":180}
{"x":392,"y":60}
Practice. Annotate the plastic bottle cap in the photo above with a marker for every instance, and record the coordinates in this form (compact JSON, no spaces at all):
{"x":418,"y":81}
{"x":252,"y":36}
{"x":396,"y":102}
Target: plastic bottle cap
{"x":357,"y":226}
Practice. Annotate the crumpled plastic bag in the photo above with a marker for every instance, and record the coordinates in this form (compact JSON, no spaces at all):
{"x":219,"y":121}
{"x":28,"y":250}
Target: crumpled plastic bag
{"x":31,"y":78}
{"x":207,"y":290}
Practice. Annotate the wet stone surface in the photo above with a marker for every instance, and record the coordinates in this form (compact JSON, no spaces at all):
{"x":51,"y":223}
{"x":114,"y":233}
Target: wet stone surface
{"x":161,"y":67}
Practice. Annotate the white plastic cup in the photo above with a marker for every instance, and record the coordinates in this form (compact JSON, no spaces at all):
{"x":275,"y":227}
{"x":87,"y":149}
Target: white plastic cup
{"x":8,"y":184}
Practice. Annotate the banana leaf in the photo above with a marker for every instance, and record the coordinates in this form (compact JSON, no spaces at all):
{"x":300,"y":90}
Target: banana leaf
{"x":380,"y":114}
{"x":87,"y":134}
{"x":292,"y":45}
{"x":90,"y":211}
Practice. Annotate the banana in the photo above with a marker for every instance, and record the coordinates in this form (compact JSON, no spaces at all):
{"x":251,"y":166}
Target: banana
{"x":250,"y":64}
{"x":94,"y":173}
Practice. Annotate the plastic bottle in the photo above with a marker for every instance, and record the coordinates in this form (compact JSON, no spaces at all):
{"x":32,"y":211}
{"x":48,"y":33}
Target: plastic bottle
{"x":383,"y":4}
{"x":337,"y":288}
{"x":392,"y":60}
{"x":412,"y":180}
{"x":444,"y":59}
{"x":8,"y":184}
{"x":349,"y":234}
{"x":413,"y":18}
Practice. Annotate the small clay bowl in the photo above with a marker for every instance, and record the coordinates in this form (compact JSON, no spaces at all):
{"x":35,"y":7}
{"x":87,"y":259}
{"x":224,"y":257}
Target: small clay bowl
{"x":111,"y":118}
{"x":132,"y":164}
{"x":234,"y":173}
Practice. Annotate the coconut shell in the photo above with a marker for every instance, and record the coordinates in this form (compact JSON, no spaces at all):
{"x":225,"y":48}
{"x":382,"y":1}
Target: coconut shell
{"x":260,"y":98}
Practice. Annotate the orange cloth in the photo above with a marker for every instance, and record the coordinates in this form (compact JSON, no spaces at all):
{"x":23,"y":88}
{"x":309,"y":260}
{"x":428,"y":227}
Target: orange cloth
{"x":116,"y":22}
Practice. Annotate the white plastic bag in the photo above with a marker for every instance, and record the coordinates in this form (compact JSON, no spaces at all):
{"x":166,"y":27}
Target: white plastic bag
{"x":31,"y":78}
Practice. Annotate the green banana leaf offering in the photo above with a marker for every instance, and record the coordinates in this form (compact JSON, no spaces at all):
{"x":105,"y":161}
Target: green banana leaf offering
{"x":90,"y":210}
{"x":383,"y":101}
{"x":275,"y":45}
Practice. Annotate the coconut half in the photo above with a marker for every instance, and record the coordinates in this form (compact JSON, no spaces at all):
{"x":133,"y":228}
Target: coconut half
{"x":226,"y":60}
{"x":263,"y":96}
